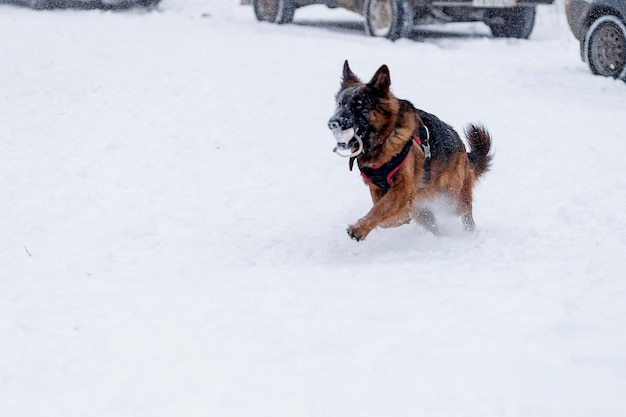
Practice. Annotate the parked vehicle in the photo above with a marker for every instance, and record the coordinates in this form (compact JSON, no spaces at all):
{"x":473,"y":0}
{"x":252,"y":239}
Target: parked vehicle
{"x":83,"y":4}
{"x":394,"y":19}
{"x":600,"y":26}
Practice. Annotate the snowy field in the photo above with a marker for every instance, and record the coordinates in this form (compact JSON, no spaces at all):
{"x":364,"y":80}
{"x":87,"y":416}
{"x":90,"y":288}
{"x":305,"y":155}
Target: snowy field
{"x":172,"y":223}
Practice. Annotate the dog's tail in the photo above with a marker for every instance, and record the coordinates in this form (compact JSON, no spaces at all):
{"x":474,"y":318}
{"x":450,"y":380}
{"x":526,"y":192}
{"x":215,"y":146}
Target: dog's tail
{"x":480,"y":155}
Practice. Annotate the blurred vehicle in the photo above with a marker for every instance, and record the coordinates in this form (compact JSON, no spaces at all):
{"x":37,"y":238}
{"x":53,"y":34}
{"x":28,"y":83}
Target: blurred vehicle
{"x":83,"y":4}
{"x":394,"y":19}
{"x":600,"y":26}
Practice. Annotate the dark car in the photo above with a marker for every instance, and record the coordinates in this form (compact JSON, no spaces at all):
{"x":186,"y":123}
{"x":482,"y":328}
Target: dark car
{"x":600,"y":26}
{"x":394,"y":19}
{"x":83,"y":4}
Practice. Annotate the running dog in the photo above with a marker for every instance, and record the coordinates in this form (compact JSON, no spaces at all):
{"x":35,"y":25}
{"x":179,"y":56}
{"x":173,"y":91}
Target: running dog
{"x":406,"y":156}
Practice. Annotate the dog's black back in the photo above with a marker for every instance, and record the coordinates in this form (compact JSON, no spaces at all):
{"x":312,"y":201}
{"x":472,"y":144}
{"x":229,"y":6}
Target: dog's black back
{"x":444,"y":140}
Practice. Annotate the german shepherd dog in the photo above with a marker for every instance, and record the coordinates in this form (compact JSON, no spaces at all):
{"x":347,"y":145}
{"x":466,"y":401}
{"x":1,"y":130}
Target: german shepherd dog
{"x":406,"y":155}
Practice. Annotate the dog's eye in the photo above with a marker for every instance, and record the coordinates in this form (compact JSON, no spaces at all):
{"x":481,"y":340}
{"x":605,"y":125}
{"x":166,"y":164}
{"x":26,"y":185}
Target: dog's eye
{"x":358,"y":102}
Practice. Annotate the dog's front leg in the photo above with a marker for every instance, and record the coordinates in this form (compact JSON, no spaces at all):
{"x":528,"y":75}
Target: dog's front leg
{"x":393,"y":208}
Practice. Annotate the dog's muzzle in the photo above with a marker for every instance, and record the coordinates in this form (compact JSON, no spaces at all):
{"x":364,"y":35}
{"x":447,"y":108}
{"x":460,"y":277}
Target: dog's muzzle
{"x":347,"y":140}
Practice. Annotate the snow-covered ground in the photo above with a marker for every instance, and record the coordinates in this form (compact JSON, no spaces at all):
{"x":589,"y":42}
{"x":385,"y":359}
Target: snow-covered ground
{"x":172,"y":223}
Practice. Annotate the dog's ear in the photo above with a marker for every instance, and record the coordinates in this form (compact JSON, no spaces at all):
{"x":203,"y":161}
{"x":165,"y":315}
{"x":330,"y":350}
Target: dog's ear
{"x":348,"y":79}
{"x":381,"y":81}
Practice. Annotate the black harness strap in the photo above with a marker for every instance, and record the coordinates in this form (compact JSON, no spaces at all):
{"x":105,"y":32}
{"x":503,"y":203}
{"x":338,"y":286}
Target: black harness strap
{"x":381,"y":176}
{"x":423,"y":134}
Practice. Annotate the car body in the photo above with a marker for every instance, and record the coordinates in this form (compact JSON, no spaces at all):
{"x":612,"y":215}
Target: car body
{"x":83,"y":4}
{"x":394,"y":19}
{"x":600,"y":27}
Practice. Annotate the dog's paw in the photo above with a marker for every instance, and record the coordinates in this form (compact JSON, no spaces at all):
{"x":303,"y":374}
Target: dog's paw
{"x":356,"y":233}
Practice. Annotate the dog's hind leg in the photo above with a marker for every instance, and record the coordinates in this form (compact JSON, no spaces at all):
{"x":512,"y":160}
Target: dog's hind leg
{"x":464,"y":205}
{"x":426,"y":218}
{"x":468,"y":222}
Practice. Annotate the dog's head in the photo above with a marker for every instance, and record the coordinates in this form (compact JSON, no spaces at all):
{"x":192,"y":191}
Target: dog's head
{"x":365,"y":111}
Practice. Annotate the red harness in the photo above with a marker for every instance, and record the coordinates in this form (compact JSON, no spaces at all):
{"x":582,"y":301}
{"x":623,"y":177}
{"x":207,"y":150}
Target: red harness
{"x":382,"y":175}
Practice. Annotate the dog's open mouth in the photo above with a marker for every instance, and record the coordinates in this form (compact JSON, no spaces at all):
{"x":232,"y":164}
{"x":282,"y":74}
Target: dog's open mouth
{"x":347,"y":140}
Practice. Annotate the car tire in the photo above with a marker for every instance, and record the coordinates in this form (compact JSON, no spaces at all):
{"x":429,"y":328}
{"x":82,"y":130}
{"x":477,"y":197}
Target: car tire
{"x":151,"y":4}
{"x":391,"y":19}
{"x":274,"y":11}
{"x":604,"y":47}
{"x":40,"y":4}
{"x":517,"y":22}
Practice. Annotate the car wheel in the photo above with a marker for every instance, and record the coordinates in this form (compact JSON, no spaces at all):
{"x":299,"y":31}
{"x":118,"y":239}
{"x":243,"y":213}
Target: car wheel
{"x":149,"y":3}
{"x":275,"y":11}
{"x":605,"y":47}
{"x":517,"y":22}
{"x":391,"y":19}
{"x":40,"y":4}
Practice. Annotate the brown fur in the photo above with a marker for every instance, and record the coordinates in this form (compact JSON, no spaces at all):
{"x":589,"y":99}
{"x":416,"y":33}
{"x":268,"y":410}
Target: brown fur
{"x":453,"y":172}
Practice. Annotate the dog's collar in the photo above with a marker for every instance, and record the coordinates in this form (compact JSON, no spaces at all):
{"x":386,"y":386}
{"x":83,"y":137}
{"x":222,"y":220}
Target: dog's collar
{"x":382,"y":175}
